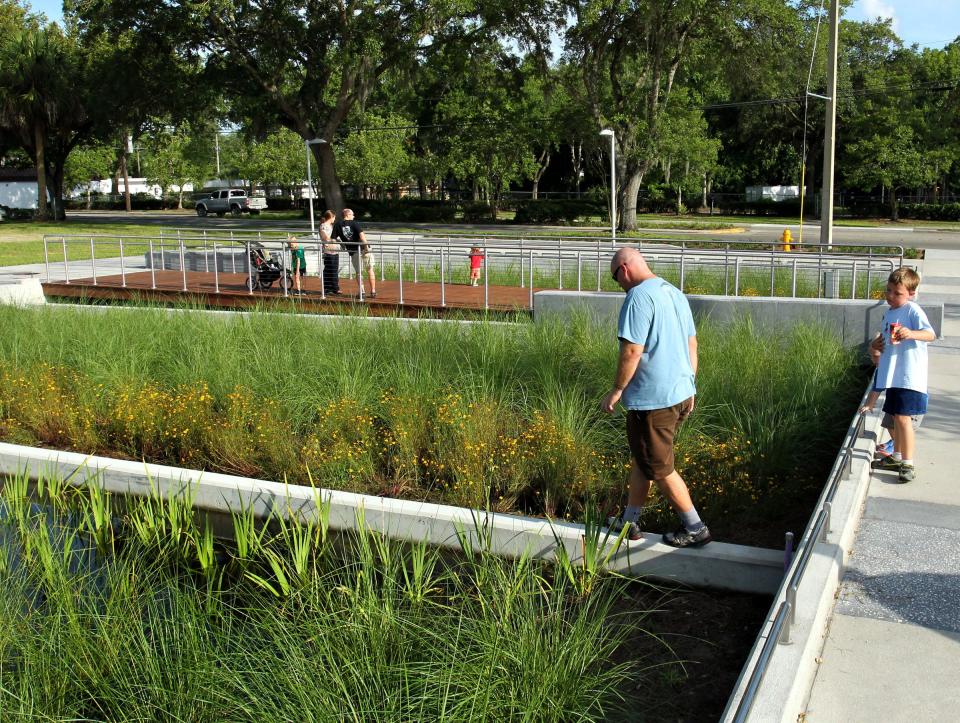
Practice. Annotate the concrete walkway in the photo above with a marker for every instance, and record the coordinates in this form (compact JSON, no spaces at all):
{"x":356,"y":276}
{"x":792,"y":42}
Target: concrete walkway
{"x":892,"y":652}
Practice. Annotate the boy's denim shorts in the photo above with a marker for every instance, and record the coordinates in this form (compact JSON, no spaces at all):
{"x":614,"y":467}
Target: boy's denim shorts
{"x":905,"y":402}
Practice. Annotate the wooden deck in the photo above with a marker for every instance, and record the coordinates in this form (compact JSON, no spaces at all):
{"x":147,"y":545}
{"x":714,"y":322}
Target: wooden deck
{"x":201,"y":289}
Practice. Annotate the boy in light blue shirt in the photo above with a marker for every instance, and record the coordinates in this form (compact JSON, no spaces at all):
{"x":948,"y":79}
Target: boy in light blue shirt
{"x":902,"y":369}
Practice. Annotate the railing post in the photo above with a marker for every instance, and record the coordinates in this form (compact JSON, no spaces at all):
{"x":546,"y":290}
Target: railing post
{"x":773,"y":279}
{"x":486,"y":278}
{"x":153,"y":265}
{"x":787,"y":551}
{"x":249,"y":270}
{"x":66,"y":273}
{"x":683,"y":270}
{"x":123,"y":268}
{"x":598,"y":264}
{"x":531,"y":279}
{"x":93,"y":262}
{"x":793,"y":280}
{"x":443,"y":290}
{"x":323,"y":274}
{"x":726,"y":270}
{"x":521,"y":262}
{"x":736,"y":277}
{"x":46,"y":258}
{"x":853,"y":280}
{"x":283,"y":271}
{"x":400,"y":270}
{"x":414,"y":258}
{"x":559,"y":265}
{"x":579,"y":272}
{"x":827,"y":509}
{"x":183,"y":262}
{"x":216,"y":273}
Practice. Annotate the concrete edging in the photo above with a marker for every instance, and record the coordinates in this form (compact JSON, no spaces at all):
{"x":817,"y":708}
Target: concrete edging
{"x":719,"y":565}
{"x":793,"y":666}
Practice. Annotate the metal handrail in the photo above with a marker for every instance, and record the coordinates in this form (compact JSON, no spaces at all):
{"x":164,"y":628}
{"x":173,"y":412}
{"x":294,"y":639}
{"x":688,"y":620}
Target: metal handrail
{"x":816,"y":531}
{"x":526,"y":251}
{"x":778,"y":628}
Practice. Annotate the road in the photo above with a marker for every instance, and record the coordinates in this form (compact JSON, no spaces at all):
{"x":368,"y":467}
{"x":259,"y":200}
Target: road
{"x":919,"y":237}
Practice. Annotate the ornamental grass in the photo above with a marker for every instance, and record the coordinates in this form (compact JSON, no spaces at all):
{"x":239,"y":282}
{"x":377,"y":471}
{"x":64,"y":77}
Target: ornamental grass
{"x":500,"y":416}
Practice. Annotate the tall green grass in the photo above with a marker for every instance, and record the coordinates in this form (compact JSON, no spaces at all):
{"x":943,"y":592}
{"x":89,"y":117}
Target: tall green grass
{"x":468,"y":414}
{"x":142,"y":625}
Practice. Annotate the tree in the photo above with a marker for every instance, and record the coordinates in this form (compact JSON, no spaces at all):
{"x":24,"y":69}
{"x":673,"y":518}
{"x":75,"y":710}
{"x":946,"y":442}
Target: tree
{"x":178,"y":157}
{"x":86,"y":164}
{"x":40,"y":72}
{"x":306,"y":64}
{"x":629,"y":54}
{"x":376,"y":154}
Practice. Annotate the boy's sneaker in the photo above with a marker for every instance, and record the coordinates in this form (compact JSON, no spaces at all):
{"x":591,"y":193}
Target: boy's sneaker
{"x":683,"y":538}
{"x":884,"y":450}
{"x":616,"y":525}
{"x":887,"y":463}
{"x":907,"y":473}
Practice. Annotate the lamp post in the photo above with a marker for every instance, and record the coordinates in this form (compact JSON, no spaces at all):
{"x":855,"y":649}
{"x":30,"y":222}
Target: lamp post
{"x":613,"y":184}
{"x":307,"y":144}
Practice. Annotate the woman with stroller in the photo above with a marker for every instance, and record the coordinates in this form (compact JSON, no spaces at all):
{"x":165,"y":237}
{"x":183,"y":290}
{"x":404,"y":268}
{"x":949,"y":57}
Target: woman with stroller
{"x":331,"y":255}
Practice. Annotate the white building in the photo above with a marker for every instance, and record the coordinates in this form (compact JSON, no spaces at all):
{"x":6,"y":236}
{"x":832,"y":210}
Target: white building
{"x":18,"y":188}
{"x":772,"y":193}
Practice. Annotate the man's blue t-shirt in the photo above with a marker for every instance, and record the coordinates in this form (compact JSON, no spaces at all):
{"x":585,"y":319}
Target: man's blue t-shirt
{"x":656,"y":314}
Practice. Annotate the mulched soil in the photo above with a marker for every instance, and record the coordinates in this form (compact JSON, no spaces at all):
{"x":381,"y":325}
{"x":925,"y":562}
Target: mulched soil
{"x":688,"y":671}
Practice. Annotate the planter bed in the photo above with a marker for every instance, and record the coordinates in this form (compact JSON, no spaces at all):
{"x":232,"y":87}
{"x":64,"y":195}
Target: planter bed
{"x":479,"y":416}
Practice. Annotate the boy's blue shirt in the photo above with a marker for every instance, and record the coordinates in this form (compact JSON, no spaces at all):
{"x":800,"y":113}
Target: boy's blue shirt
{"x":904,"y":365}
{"x":656,"y":314}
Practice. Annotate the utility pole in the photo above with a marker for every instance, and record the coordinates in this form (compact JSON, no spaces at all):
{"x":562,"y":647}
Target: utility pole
{"x":830,"y":128}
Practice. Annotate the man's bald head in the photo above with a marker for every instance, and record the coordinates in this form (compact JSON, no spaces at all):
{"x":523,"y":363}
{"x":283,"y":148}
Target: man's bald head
{"x":629,"y":267}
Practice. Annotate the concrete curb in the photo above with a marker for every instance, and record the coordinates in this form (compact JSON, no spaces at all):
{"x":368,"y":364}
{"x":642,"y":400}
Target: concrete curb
{"x":793,"y":666}
{"x":719,"y":565}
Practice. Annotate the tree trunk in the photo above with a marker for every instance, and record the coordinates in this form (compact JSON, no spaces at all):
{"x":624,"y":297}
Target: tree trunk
{"x":894,"y":210}
{"x":628,"y":205}
{"x":543,"y":163}
{"x":329,"y":183}
{"x":422,"y":187}
{"x":42,"y":212}
{"x":126,"y":177}
{"x":55,"y":176}
{"x":180,"y":199}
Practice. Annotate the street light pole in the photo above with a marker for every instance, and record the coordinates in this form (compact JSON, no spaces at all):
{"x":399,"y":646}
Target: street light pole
{"x":307,"y":144}
{"x":613,"y":184}
{"x":829,"y":131}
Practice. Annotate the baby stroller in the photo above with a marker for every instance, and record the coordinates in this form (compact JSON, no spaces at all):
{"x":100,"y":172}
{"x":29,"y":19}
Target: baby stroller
{"x":264,"y":271}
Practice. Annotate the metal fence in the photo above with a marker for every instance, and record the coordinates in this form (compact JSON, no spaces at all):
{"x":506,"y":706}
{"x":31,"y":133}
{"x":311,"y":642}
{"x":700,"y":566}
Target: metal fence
{"x":733,"y":268}
{"x":783,"y":613}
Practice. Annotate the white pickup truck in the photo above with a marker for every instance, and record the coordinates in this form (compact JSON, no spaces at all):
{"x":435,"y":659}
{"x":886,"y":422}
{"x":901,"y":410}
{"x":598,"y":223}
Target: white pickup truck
{"x":231,"y":200}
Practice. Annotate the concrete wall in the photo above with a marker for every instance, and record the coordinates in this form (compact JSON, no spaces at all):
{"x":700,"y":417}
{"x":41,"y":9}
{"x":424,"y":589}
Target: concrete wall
{"x":718,"y":565}
{"x":855,"y":320}
{"x":21,"y":288}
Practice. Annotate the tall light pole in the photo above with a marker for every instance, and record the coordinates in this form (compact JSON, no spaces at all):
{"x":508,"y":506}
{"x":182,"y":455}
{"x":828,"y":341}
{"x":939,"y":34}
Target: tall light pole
{"x":830,"y":128}
{"x":307,"y":144}
{"x":613,"y":184}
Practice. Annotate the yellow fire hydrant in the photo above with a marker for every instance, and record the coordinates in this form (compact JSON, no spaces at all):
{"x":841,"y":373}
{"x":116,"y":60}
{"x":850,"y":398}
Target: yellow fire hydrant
{"x":786,"y":239}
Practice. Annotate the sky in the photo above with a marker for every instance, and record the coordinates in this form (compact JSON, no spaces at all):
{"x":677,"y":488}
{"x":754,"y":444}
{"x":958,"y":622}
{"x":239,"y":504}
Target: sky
{"x":928,"y":23}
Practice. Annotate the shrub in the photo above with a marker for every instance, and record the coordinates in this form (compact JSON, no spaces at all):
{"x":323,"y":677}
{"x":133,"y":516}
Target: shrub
{"x":931,"y":211}
{"x":477,"y":213}
{"x":559,"y":212}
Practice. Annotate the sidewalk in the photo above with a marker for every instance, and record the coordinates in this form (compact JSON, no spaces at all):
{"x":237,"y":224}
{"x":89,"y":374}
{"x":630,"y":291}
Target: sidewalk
{"x":892,"y":652}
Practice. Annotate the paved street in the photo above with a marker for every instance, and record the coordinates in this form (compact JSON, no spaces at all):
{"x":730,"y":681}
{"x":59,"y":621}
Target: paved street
{"x":919,"y":237}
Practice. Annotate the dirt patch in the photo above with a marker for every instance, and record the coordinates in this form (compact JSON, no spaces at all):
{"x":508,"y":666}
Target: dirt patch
{"x":691,"y":658}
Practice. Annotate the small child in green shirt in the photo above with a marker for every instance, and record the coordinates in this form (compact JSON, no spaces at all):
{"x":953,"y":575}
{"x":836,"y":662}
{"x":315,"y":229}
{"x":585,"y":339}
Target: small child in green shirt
{"x":298,"y":263}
